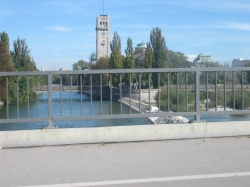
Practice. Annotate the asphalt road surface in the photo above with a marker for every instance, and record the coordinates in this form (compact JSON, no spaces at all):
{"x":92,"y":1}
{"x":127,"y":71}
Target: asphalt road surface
{"x":197,"y":162}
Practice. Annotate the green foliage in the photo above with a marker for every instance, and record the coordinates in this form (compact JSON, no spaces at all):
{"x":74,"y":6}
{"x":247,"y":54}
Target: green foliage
{"x":80,"y":65}
{"x":56,"y":79}
{"x":220,"y":75}
{"x":4,"y":58}
{"x":102,"y":63}
{"x":158,"y":44}
{"x":115,"y":60}
{"x":178,"y":60}
{"x":4,"y":66}
{"x":238,"y":99}
{"x":173,"y":100}
{"x":23,"y":62}
{"x":248,"y":72}
{"x":149,"y":59}
{"x":229,"y":98}
{"x":129,"y":62}
{"x":21,"y":57}
{"x":5,"y":39}
{"x":203,"y":96}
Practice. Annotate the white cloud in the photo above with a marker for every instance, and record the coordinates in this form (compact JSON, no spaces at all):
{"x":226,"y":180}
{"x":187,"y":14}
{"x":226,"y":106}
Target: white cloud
{"x":231,"y":6}
{"x":59,"y":28}
{"x":209,"y":27}
{"x":147,"y":9}
{"x":238,"y":26}
{"x":247,"y":50}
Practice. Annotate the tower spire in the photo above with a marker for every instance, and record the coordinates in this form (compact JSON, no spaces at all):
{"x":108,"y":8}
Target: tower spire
{"x":103,"y":7}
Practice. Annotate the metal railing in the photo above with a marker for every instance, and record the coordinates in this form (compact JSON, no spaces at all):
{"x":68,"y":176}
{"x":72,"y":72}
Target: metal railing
{"x":182,"y":80}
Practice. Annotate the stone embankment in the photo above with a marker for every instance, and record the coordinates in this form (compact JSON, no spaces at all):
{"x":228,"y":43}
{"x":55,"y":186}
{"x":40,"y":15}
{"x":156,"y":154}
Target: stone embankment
{"x":155,"y":120}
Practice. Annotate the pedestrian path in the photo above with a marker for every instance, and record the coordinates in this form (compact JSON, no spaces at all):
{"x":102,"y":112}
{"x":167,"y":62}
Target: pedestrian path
{"x":193,"y":162}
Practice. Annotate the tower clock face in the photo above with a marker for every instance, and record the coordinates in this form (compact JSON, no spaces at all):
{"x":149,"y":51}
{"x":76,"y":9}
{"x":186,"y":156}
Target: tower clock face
{"x":104,"y":33}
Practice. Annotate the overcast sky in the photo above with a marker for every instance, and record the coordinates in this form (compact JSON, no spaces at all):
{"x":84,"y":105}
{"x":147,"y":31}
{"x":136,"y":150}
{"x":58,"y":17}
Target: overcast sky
{"x":61,"y":32}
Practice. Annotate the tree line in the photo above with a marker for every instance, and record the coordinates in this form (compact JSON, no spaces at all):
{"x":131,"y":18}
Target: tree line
{"x":17,"y":60}
{"x":156,"y":55}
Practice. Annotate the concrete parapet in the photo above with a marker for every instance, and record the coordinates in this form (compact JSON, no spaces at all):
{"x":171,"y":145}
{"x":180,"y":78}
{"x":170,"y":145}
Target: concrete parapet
{"x":46,"y":137}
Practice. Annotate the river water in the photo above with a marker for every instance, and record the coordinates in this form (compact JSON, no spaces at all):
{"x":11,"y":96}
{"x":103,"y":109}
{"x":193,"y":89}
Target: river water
{"x":41,"y":109}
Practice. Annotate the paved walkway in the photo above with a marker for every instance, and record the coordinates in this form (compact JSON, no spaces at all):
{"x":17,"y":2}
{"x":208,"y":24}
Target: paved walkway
{"x":198,"y":162}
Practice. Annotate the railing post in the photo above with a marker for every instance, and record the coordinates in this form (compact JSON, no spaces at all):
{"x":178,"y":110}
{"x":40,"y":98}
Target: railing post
{"x":242,"y":90}
{"x":140,"y":93}
{"x":7,"y":97}
{"x":177,"y":91}
{"x":186,"y":74}
{"x":17,"y":96}
{"x":50,"y":122}
{"x":110,"y":94}
{"x":100,"y":94}
{"x":207,"y":91}
{"x":159,"y":95}
{"x":130,"y":93}
{"x":168,"y":94}
{"x":120,"y":93}
{"x":197,"y":95}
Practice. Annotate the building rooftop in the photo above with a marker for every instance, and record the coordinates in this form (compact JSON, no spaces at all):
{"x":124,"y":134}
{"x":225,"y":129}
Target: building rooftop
{"x":203,"y":54}
{"x":93,"y":56}
{"x":141,"y":45}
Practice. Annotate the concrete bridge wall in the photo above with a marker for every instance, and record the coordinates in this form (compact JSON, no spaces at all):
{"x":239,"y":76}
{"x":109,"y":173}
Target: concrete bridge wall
{"x":49,"y":137}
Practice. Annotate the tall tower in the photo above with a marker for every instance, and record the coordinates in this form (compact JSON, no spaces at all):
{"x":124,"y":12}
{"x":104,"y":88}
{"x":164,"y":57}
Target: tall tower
{"x":102,"y":36}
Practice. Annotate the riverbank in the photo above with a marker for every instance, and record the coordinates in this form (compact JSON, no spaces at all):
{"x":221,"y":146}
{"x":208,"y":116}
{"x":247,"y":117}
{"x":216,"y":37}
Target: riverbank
{"x":135,"y":105}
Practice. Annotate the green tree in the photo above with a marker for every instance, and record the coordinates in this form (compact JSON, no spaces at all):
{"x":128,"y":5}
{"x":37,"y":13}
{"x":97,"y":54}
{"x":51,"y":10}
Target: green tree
{"x":220,"y":75}
{"x":248,"y":72}
{"x":24,"y":62}
{"x":80,"y":65}
{"x":158,"y":44}
{"x":115,"y":60}
{"x":129,"y":62}
{"x":178,"y":60}
{"x":173,"y":100}
{"x":149,"y":59}
{"x":102,"y":63}
{"x":4,"y":66}
{"x":21,"y":57}
{"x":5,"y":39}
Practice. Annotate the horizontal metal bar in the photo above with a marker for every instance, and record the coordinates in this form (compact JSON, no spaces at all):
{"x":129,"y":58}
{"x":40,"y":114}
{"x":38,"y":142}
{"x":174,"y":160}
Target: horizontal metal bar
{"x":113,"y":71}
{"x":23,"y":120}
{"x":161,"y":114}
